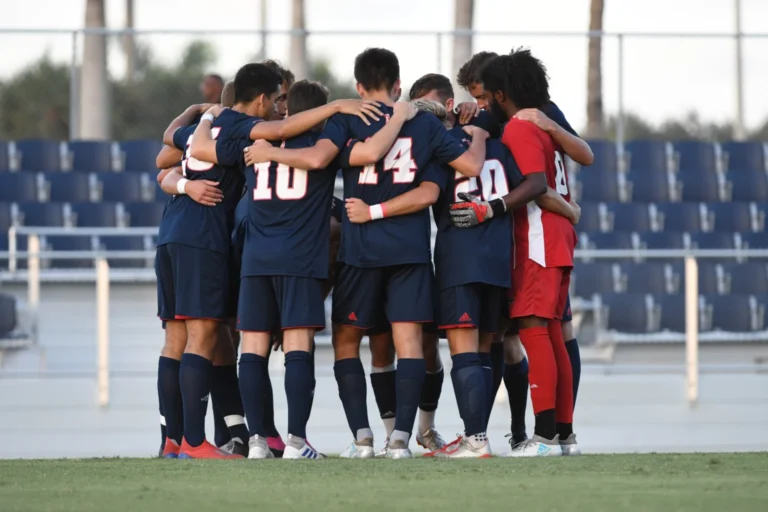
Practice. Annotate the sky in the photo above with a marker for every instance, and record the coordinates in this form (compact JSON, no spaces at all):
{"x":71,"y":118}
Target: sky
{"x":663,"y":76}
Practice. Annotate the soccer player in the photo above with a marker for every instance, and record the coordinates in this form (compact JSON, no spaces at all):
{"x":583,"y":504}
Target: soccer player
{"x":211,"y":87}
{"x":281,"y":104}
{"x":384,"y":264}
{"x":543,"y":249}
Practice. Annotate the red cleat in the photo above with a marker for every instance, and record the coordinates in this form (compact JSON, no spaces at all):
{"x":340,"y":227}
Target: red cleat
{"x":448,"y":447}
{"x":204,"y":451}
{"x":171,"y":449}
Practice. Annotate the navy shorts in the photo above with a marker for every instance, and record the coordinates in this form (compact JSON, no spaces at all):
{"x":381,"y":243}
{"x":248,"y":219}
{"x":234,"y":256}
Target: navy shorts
{"x":473,"y":305}
{"x":234,"y":286}
{"x":270,"y":303}
{"x":567,"y":317}
{"x":191,"y":283}
{"x":402,"y":292}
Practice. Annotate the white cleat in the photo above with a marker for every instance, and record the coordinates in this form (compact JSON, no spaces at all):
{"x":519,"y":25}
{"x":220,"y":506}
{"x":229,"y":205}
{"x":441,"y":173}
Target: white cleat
{"x":430,"y":440}
{"x":383,"y":452}
{"x":537,"y":446}
{"x":471,"y":447}
{"x":398,"y":450}
{"x":298,"y":448}
{"x":258,"y":448}
{"x":569,"y":446}
{"x":359,"y":450}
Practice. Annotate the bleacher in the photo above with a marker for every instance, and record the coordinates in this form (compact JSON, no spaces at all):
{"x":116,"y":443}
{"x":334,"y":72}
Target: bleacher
{"x":644,"y":195}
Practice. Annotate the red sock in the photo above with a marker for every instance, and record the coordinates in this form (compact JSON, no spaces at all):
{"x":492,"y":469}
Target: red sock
{"x":542,"y":369}
{"x":564,"y":404}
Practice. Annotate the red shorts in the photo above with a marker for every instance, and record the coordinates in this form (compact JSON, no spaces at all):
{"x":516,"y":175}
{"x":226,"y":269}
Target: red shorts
{"x":539,"y":291}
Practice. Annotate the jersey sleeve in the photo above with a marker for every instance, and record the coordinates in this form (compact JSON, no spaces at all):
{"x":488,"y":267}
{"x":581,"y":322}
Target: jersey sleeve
{"x":181,"y":136}
{"x":242,"y":129}
{"x":487,"y":122}
{"x":522,"y":140}
{"x":443,"y":147}
{"x":337,"y":205}
{"x":336,"y":130}
{"x":554,"y":113}
{"x":342,"y":159}
{"x":437,"y":173}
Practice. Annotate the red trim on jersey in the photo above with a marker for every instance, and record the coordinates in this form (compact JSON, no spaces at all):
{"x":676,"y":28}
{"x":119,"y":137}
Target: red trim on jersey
{"x":317,"y":327}
{"x":184,"y":317}
{"x":457,"y":326}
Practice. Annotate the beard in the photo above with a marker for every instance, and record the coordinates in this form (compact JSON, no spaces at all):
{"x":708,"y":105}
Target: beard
{"x":497,"y":112}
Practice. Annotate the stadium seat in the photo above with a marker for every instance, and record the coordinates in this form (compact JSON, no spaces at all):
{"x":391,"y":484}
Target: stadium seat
{"x":731,"y":217}
{"x":41,"y":214}
{"x":626,"y":217}
{"x":711,"y":276}
{"x":649,"y":277}
{"x":122,"y":186}
{"x":616,"y":240}
{"x":628,"y":312}
{"x":696,"y":156}
{"x":94,"y":214}
{"x":69,"y":243}
{"x":17,"y":186}
{"x":648,"y":155}
{"x":126,"y":243}
{"x":21,"y":245}
{"x":144,"y":214}
{"x":606,"y":158}
{"x":747,"y":186}
{"x":663,"y":240}
{"x":66,"y":186}
{"x":747,"y":278}
{"x":588,"y":279}
{"x":671,"y":309}
{"x":140,"y":154}
{"x":700,"y":186}
{"x":7,"y":315}
{"x":680,"y":216}
{"x":590,"y":217}
{"x":160,"y":196}
{"x":598,"y":185}
{"x":754,"y":240}
{"x":648,"y":186}
{"x":745,"y":156}
{"x":5,"y":161}
{"x":6,"y":218}
{"x":713,"y":241}
{"x":39,"y":155}
{"x":731,"y":313}
{"x":91,"y":155}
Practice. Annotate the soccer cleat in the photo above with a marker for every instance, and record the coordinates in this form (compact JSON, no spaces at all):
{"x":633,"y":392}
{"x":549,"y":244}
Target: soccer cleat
{"x":258,"y":448}
{"x":569,"y":446}
{"x":205,"y":451}
{"x":170,"y":450}
{"x":276,"y":446}
{"x":383,"y":451}
{"x":298,"y":448}
{"x":445,"y":447}
{"x":537,"y":446}
{"x":362,"y":449}
{"x":516,"y":439}
{"x":430,"y":440}
{"x":470,"y":447}
{"x":235,"y":445}
{"x":398,"y":450}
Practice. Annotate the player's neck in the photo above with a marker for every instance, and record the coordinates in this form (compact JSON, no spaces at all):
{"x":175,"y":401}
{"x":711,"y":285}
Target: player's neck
{"x":380,"y":96}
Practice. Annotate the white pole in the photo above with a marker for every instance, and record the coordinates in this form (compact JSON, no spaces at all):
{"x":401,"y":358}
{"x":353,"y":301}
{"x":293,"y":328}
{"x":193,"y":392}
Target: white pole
{"x":692,"y":329}
{"x":102,"y":330}
{"x":33,"y":275}
{"x":12,"y":249}
{"x":740,"y":133}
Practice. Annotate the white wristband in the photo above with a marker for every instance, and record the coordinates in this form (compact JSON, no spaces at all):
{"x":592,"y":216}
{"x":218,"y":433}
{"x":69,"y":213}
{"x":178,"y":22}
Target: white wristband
{"x":180,"y":185}
{"x":207,"y":117}
{"x":376,"y":211}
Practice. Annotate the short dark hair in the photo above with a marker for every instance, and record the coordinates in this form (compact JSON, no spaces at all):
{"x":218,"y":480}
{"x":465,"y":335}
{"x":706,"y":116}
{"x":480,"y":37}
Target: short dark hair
{"x":432,"y":82}
{"x":377,"y":68}
{"x":520,"y":76}
{"x":469,"y":72}
{"x":304,"y":95}
{"x":284,"y":73}
{"x":253,"y":80}
{"x":216,"y":77}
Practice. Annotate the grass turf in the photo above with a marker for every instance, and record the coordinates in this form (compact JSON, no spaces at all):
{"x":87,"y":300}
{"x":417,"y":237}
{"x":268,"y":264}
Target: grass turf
{"x":695,"y":482}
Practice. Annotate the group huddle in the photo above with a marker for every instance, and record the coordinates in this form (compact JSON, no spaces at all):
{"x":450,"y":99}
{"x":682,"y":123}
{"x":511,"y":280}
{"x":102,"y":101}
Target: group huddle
{"x":252,"y":242}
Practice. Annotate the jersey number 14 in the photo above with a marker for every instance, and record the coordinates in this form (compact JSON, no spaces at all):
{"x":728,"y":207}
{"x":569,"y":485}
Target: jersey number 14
{"x":398,"y":160}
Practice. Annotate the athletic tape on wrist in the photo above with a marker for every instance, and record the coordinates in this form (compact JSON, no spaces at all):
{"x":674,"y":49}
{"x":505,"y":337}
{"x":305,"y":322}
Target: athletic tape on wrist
{"x":207,"y":117}
{"x":376,"y":211}
{"x":180,"y":185}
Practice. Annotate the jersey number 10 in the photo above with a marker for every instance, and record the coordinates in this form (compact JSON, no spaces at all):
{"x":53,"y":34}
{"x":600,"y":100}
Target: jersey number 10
{"x":290,"y":183}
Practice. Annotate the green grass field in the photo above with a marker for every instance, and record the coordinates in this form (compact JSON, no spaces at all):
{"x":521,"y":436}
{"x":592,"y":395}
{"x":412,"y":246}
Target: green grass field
{"x":730,"y":482}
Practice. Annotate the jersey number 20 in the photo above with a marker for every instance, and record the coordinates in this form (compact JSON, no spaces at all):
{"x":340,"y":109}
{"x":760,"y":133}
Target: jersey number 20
{"x":290,"y":183}
{"x":398,"y":160}
{"x":493,"y":182}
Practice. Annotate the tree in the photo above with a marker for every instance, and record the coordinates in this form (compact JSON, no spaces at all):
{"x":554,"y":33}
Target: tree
{"x":321,"y":71}
{"x":462,"y":43}
{"x":595,"y":114}
{"x":93,"y":122}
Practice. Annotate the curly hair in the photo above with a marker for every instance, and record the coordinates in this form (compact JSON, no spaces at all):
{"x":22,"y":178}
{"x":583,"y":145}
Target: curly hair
{"x":520,"y":76}
{"x":469,"y":72}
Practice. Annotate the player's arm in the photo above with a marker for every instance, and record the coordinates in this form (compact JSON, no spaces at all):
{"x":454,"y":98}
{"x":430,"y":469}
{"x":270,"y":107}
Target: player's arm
{"x":184,"y":119}
{"x":470,"y":162}
{"x":374,"y":149}
{"x":317,"y":157}
{"x":573,"y":145}
{"x":168,"y":157}
{"x":204,"y":192}
{"x":552,"y":201}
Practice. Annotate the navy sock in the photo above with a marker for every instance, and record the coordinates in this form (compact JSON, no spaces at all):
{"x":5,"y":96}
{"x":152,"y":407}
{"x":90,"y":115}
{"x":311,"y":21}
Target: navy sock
{"x":225,"y":393}
{"x":497,"y":364}
{"x":170,"y":395}
{"x":314,"y":381}
{"x":430,"y":392}
{"x":163,"y":432}
{"x":350,"y":378}
{"x":384,"y":386}
{"x":410,"y":379}
{"x":470,"y":384}
{"x":195,"y":379}
{"x":269,"y":404}
{"x":298,"y":390}
{"x":221,"y":434}
{"x":574,"y":354}
{"x":487,"y":363}
{"x":252,"y":370}
{"x":516,"y":382}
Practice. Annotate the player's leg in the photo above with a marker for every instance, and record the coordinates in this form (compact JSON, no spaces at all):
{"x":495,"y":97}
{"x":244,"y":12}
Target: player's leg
{"x":516,"y":382}
{"x":383,"y":375}
{"x":225,"y":394}
{"x":427,"y":435}
{"x":572,"y":345}
{"x":274,"y":440}
{"x":565,"y":400}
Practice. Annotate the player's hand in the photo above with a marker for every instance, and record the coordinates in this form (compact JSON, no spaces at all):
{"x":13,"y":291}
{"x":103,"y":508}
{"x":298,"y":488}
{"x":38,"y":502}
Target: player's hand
{"x":576,"y":212}
{"x":467,"y":111}
{"x":360,"y":108}
{"x":205,"y":192}
{"x":357,"y":211}
{"x":257,"y":152}
{"x":216,"y":110}
{"x":475,"y":131}
{"x":537,"y":117}
{"x":471,"y":212}
{"x":405,"y":108}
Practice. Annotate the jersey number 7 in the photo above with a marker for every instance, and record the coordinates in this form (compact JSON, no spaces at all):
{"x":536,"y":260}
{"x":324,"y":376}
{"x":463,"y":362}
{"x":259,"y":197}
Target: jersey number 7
{"x":290,"y":183}
{"x":398,"y":160}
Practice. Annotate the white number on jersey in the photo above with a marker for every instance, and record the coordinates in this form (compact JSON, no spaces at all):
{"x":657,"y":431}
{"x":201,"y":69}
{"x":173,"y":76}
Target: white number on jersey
{"x":493,"y":182}
{"x":560,"y":184}
{"x":193,"y":164}
{"x":290,"y":183}
{"x":398,"y":160}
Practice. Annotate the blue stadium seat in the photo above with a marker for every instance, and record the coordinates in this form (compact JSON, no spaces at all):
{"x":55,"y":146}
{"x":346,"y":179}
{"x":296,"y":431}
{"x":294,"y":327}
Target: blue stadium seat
{"x":125,"y":243}
{"x":647,"y":155}
{"x":627,"y":312}
{"x":606,"y":158}
{"x":94,"y":214}
{"x":731,"y":313}
{"x":21,"y":245}
{"x":598,"y":185}
{"x":39,"y":155}
{"x":754,"y":240}
{"x":748,"y":278}
{"x":5,"y":161}
{"x":91,"y":155}
{"x":748,"y":186}
{"x":69,"y":243}
{"x":122,"y":186}
{"x":700,"y":186}
{"x":145,"y":214}
{"x":16,"y":186}
{"x":649,"y":186}
{"x":41,"y":214}
{"x":7,"y":315}
{"x":140,"y":154}
{"x":731,"y":217}
{"x":649,"y":277}
{"x":588,"y":279}
{"x":680,"y":216}
{"x":663,"y":240}
{"x":710,"y":272}
{"x":616,"y":240}
{"x":745,"y":156}
{"x":6,"y":218}
{"x":590,"y":217}
{"x":696,"y":156}
{"x":713,"y":241}
{"x":672,"y":312}
{"x":65,"y":186}
{"x":160,"y":196}
{"x":627,"y":217}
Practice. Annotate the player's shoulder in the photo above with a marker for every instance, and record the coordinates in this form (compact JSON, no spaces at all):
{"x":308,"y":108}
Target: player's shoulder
{"x":516,"y":128}
{"x":305,"y":140}
{"x":487,"y":122}
{"x":231,"y":120}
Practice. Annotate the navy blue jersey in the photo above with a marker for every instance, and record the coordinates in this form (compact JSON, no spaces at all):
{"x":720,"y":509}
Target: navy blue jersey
{"x":554,"y":113}
{"x":401,"y":239}
{"x":337,"y":208}
{"x":480,"y":254}
{"x":190,"y":223}
{"x":288,"y":231}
